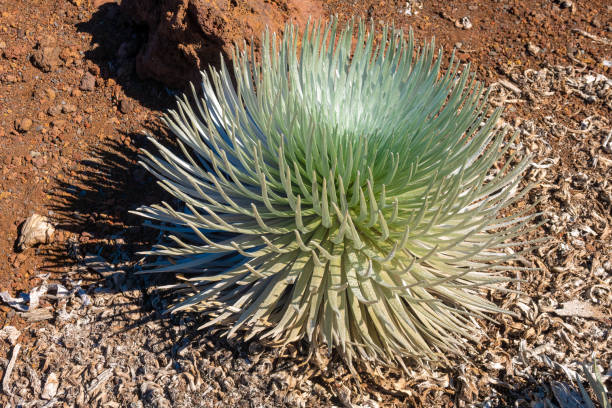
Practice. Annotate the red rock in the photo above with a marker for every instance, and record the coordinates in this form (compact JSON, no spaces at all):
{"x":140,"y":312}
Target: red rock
{"x":39,"y":161}
{"x":62,"y":235}
{"x":15,"y":52}
{"x":18,"y":259}
{"x":125,"y":105}
{"x":185,"y":36}
{"x":54,"y":110}
{"x":46,"y":58}
{"x":58,"y":123}
{"x":10,"y":78}
{"x":69,"y":108}
{"x":88,"y":82}
{"x":66,"y":54}
{"x":23,"y":125}
{"x":50,"y":93}
{"x":95,"y":70}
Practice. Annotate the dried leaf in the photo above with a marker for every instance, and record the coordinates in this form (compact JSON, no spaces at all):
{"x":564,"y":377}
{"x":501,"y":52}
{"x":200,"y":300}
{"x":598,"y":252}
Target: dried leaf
{"x":99,"y":265}
{"x":580,"y":309}
{"x":10,"y":333}
{"x":33,"y":298}
{"x":38,"y":315}
{"x":566,"y":396}
{"x":6,"y":381}
{"x":50,"y":388}
{"x":15,"y":303}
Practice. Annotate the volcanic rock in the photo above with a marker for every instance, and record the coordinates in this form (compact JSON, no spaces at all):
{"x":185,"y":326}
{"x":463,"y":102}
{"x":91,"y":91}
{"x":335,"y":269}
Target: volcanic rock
{"x":46,"y":58}
{"x":23,"y":125}
{"x":88,"y":82}
{"x":185,"y":36}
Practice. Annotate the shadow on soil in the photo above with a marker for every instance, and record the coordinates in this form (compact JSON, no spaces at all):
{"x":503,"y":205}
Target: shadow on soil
{"x":117,"y":44}
{"x":94,"y":211}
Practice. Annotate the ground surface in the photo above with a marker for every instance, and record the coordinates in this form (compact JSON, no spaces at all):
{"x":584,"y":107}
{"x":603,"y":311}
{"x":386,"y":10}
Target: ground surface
{"x":71,"y":113}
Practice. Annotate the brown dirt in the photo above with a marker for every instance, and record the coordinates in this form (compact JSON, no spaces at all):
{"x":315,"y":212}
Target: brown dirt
{"x":72,"y":109}
{"x":186,"y":36}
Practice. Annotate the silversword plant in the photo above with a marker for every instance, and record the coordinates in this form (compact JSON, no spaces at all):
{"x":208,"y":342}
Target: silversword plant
{"x":343,"y":192}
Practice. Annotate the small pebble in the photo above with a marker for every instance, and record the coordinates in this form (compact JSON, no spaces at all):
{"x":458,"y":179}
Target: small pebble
{"x":88,"y":82}
{"x":533,"y":49}
{"x":596,"y":21}
{"x":466,"y":23}
{"x":69,"y":108}
{"x":23,"y":125}
{"x":125,"y":105}
{"x":54,"y":110}
{"x":50,"y":93}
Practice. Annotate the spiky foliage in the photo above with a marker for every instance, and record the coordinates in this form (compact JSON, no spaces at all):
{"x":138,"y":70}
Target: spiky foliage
{"x":339,"y":193}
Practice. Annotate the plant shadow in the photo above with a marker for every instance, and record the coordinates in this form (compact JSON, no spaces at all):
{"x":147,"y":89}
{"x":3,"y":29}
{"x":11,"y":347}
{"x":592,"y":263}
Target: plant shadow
{"x":98,"y":239}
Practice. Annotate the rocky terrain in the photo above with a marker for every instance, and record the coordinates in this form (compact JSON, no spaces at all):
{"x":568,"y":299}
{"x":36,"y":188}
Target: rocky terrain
{"x":80,"y":81}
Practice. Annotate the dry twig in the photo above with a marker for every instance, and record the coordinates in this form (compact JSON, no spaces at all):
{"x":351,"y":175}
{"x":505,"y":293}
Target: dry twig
{"x":6,"y":381}
{"x":592,"y":36}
